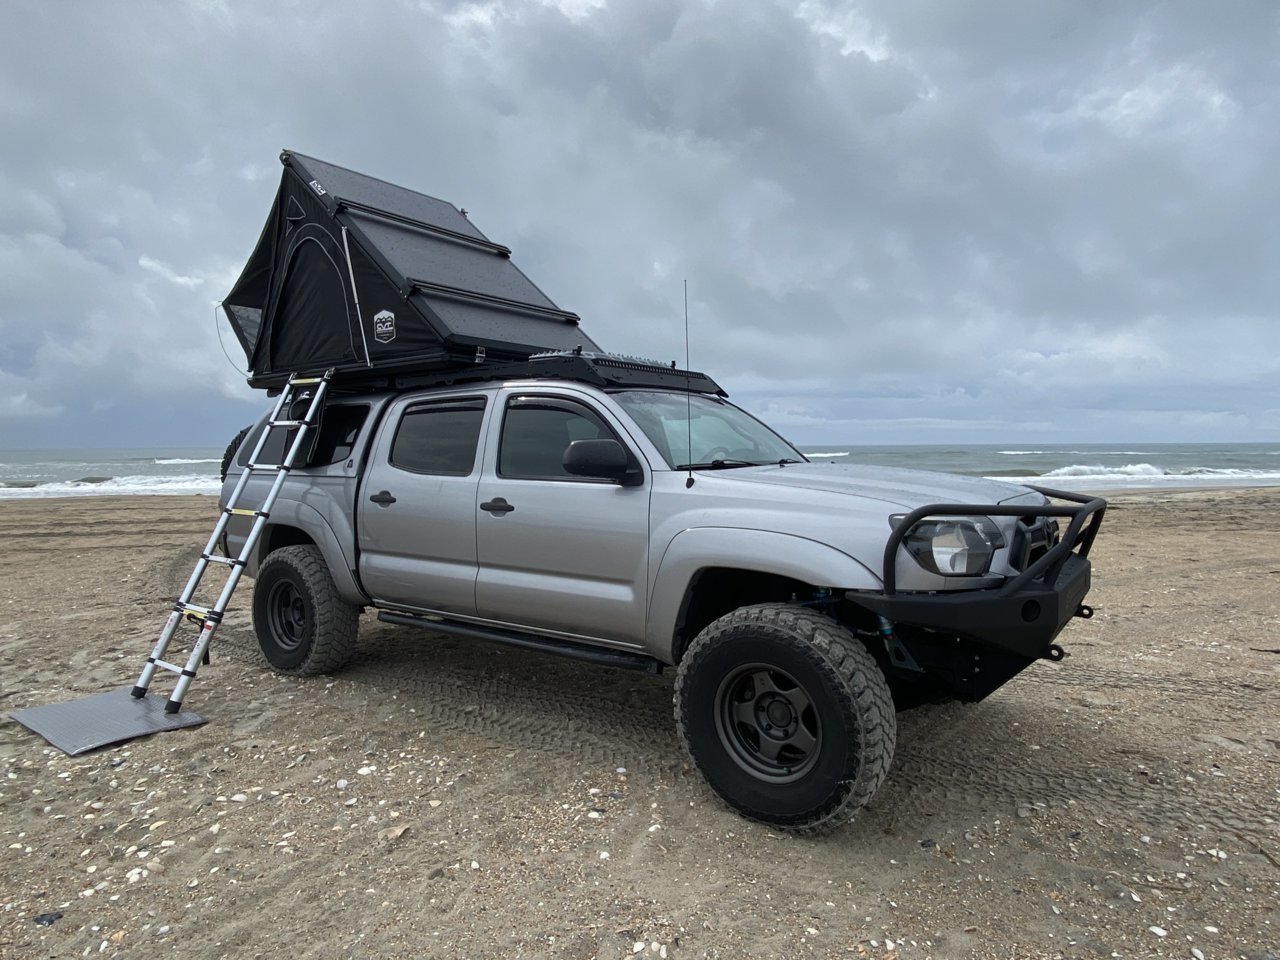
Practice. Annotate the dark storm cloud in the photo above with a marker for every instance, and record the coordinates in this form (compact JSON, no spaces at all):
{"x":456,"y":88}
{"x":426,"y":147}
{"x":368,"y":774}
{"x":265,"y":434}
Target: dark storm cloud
{"x":898,"y":221}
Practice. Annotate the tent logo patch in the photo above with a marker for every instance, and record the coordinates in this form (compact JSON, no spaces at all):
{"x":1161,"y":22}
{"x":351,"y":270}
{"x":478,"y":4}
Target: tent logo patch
{"x":315,"y":185}
{"x":384,"y":326}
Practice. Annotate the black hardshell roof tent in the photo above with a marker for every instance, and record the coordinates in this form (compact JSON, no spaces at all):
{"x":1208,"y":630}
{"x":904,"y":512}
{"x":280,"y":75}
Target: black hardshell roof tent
{"x":367,"y":278}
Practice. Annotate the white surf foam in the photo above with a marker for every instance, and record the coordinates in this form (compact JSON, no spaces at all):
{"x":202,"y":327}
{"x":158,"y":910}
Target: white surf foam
{"x":116,"y":486}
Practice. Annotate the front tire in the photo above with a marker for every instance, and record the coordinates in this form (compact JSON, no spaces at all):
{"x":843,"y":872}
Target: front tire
{"x":786,"y":716}
{"x":304,"y":626}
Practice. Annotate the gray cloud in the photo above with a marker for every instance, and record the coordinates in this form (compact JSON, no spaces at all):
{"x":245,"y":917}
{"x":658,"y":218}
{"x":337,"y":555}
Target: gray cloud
{"x":898,"y":221}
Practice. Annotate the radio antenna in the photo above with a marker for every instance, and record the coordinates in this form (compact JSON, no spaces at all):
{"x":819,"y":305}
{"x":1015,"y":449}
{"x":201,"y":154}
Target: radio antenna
{"x":688,"y":396}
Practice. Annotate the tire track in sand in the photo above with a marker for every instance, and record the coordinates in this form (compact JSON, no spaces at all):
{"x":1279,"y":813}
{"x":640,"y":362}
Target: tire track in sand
{"x":596,"y":716}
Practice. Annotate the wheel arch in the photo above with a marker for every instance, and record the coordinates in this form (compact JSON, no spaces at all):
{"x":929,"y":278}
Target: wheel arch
{"x":705,"y":572}
{"x":296,"y":524}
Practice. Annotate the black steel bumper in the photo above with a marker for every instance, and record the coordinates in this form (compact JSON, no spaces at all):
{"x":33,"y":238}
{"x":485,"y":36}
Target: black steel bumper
{"x":1025,"y":613}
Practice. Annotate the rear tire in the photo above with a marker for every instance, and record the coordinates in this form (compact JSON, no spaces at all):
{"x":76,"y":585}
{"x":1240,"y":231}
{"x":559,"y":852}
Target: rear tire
{"x":786,"y":715}
{"x":304,"y":626}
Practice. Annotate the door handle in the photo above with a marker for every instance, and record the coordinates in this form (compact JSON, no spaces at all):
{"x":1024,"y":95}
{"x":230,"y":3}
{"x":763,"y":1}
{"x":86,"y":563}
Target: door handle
{"x":383,"y":498}
{"x":497,"y":505}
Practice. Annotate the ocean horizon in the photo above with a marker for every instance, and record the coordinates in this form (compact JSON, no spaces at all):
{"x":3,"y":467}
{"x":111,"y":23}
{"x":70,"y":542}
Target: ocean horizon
{"x":112,"y":471}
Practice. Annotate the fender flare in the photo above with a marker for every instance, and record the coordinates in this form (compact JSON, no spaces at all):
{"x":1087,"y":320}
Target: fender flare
{"x":759,"y":551}
{"x":311,"y":523}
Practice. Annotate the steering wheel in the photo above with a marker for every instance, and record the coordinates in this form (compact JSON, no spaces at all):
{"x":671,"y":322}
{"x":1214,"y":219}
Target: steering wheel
{"x":719,"y":453}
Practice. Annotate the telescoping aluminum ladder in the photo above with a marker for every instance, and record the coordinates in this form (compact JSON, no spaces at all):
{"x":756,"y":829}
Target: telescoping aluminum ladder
{"x":208,"y":618}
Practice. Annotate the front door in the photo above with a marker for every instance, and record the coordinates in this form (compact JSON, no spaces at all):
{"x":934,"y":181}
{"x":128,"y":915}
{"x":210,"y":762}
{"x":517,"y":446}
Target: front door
{"x":558,"y":552}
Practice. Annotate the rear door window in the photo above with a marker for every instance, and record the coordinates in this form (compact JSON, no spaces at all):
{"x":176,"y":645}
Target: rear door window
{"x":439,"y":437}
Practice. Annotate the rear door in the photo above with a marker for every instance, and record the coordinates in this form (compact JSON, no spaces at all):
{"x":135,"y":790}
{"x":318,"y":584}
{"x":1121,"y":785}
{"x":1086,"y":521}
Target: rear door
{"x":418,"y":504}
{"x":556,"y":552}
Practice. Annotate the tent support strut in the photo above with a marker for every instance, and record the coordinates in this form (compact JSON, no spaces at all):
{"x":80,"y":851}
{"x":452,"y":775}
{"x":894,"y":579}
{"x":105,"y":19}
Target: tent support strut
{"x":355,"y":295}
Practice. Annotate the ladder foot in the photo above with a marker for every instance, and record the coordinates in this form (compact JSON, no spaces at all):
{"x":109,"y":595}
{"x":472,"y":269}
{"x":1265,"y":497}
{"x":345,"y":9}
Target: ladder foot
{"x":138,"y":692}
{"x":172,"y":706}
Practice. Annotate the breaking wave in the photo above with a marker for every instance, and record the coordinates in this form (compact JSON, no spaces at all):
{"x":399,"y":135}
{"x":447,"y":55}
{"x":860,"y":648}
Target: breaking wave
{"x":112,"y":486}
{"x":1129,"y":470}
{"x":1149,"y":474}
{"x":1052,"y":453}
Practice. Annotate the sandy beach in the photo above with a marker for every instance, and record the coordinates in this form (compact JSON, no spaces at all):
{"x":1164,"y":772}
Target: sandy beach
{"x":445,"y":798}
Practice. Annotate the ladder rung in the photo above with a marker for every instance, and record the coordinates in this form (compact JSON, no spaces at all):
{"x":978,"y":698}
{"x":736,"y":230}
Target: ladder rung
{"x":289,"y":424}
{"x":278,"y":467}
{"x":300,"y":381}
{"x":200,"y":613}
{"x":245,"y":512}
{"x":216,"y":558}
{"x":165,"y":665}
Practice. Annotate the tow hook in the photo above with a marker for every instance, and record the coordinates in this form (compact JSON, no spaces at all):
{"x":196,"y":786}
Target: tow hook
{"x":1056,"y":653}
{"x":1084,"y":612}
{"x":898,"y":654}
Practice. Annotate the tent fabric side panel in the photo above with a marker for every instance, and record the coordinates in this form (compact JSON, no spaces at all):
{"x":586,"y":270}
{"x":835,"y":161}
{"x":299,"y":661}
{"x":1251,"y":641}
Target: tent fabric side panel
{"x":394,"y":327}
{"x":313,"y":322}
{"x":309,"y":321}
{"x":244,"y":304}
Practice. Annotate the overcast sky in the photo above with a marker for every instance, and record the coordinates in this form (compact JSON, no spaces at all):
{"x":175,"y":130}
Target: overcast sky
{"x":900,"y":222}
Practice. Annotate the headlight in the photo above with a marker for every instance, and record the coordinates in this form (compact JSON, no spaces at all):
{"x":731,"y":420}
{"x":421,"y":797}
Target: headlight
{"x":953,"y":546}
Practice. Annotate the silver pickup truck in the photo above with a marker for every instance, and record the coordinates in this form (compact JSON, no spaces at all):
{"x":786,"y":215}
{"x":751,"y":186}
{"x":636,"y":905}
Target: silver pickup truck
{"x":627,"y":514}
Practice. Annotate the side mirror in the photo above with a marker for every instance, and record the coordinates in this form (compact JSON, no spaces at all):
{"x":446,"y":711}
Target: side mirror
{"x":600,"y":460}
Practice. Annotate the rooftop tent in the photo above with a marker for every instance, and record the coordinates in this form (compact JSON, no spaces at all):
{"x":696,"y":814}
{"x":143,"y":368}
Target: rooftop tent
{"x":369,"y":278}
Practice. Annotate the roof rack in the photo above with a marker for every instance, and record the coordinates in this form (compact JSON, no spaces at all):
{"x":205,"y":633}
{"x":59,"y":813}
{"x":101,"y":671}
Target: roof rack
{"x":582,"y":366}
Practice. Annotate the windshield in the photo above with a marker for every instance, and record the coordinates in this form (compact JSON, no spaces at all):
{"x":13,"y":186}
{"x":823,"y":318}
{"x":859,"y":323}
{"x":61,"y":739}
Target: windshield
{"x":697,"y":430}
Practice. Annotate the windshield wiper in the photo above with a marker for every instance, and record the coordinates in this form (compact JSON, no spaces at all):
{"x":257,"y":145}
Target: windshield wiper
{"x":725,"y":464}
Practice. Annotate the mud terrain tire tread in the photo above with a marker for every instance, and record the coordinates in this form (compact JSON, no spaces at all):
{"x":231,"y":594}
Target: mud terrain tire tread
{"x":850,"y":673}
{"x":332,"y":624}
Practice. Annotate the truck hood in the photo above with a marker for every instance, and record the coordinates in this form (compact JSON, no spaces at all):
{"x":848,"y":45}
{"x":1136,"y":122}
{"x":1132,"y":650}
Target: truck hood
{"x":893,"y":485}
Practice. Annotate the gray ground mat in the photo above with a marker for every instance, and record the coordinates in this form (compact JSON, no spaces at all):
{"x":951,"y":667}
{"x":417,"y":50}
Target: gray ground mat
{"x":79,"y":726}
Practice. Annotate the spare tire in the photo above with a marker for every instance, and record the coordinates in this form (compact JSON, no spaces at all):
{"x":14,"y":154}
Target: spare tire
{"x":232,"y":447}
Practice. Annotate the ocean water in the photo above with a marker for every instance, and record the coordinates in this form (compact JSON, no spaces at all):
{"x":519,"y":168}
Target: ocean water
{"x":1083,"y":467}
{"x":100,"y":472}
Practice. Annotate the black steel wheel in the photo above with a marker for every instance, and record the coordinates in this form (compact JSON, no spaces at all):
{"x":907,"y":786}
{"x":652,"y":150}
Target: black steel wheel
{"x":304,"y":626}
{"x":767,"y":722}
{"x":786,"y":715}
{"x":287,"y":615}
